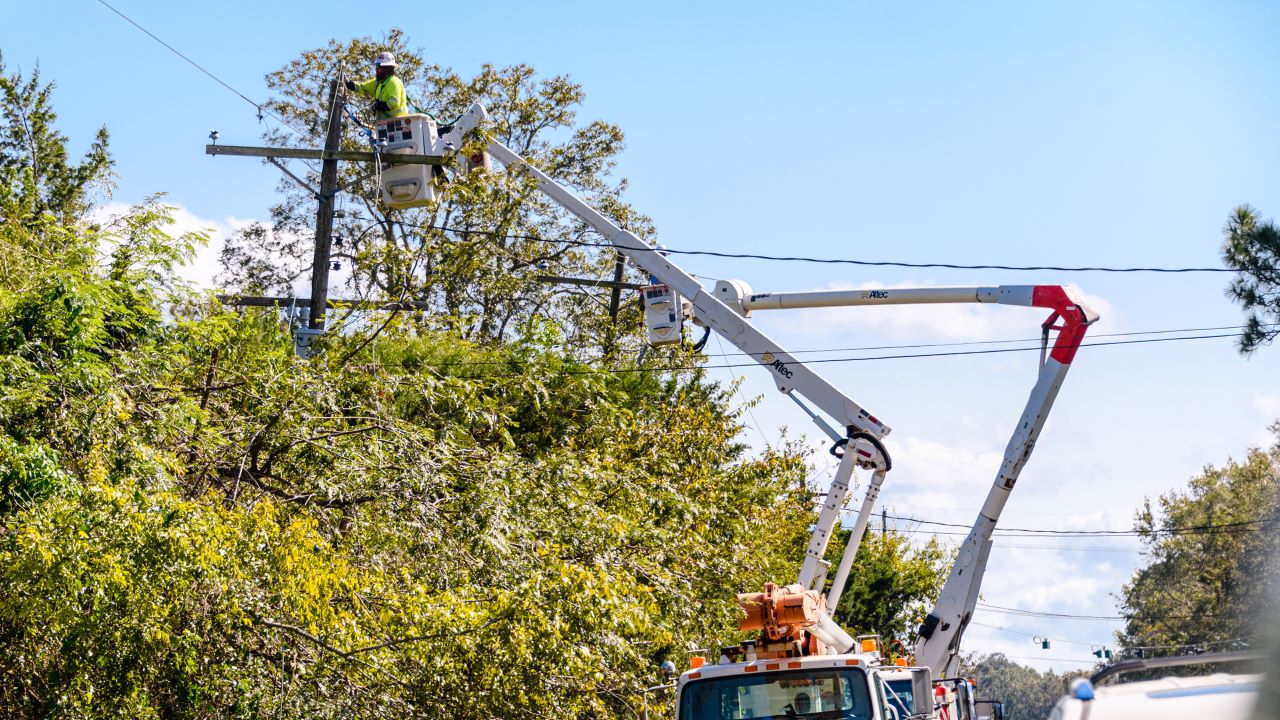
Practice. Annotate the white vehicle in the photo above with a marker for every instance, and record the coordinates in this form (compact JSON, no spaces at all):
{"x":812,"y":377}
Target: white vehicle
{"x":804,"y":664}
{"x":1220,"y":696}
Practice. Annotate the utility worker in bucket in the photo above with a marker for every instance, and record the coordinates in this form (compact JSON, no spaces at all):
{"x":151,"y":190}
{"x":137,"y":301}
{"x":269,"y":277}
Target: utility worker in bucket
{"x":386,"y":90}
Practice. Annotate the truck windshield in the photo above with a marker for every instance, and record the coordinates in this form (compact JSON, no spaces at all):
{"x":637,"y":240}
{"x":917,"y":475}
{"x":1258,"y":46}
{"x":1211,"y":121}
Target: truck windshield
{"x":826,"y":693}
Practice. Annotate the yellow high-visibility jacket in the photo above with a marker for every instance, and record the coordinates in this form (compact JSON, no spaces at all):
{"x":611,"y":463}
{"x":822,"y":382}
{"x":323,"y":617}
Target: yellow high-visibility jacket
{"x":390,"y":91}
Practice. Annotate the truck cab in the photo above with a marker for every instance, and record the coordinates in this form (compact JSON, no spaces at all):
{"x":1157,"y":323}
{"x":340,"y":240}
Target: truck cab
{"x":846,"y":687}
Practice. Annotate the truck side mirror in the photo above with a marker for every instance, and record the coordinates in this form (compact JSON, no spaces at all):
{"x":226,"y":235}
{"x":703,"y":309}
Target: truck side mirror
{"x":921,"y":692}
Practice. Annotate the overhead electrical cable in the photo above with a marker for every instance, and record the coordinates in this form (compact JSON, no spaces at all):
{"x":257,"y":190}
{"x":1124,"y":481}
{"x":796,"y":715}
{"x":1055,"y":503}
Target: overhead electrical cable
{"x":967,"y":343}
{"x":747,"y":405}
{"x":1242,"y":526}
{"x":834,"y":261}
{"x":258,"y":106}
{"x":908,"y":356}
{"x":1126,"y":648}
{"x":1036,"y":634}
{"x":1051,"y":659}
{"x":1032,"y":613}
{"x":1000,"y":542}
{"x":1138,"y":616}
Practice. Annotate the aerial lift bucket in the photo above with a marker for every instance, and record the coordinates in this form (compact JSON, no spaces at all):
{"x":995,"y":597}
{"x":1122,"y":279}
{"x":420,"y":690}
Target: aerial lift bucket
{"x":406,"y":185}
{"x":412,"y":185}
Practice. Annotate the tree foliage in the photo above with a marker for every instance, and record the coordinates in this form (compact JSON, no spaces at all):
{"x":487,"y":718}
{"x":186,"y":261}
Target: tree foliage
{"x":1252,"y":248}
{"x":198,"y":523}
{"x":1027,"y":693}
{"x":473,"y":253}
{"x":36,"y":175}
{"x":422,"y":520}
{"x":1211,"y":560}
{"x":892,"y":585}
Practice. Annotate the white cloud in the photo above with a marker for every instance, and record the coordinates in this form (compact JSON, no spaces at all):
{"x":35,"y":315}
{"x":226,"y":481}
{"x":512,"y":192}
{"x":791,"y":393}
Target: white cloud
{"x":205,"y":265}
{"x":930,"y":473}
{"x":1268,"y":405}
{"x":948,"y":483}
{"x":961,"y":322}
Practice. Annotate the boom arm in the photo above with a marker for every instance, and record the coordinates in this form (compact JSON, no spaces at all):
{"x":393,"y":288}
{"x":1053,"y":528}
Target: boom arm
{"x":938,"y":641}
{"x":788,"y":374}
{"x":940,"y":633}
{"x":726,"y":310}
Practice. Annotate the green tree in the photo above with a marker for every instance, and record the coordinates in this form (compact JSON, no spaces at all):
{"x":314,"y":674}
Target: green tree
{"x":892,"y":584}
{"x":1252,"y":248}
{"x":422,"y":520}
{"x":1210,"y":559}
{"x":36,"y":175}
{"x":1027,"y":693}
{"x":472,"y":254}
{"x":197,"y":523}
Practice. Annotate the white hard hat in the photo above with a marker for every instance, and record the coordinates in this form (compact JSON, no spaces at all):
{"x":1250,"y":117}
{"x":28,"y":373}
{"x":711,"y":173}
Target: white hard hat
{"x":385,"y":59}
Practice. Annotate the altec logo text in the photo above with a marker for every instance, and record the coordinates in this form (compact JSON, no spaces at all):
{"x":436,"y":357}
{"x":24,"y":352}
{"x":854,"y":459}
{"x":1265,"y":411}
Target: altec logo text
{"x":776,"y":364}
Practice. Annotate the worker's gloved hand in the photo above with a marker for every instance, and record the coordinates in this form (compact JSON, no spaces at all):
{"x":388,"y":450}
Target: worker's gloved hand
{"x":351,"y":85}
{"x":381,"y":106}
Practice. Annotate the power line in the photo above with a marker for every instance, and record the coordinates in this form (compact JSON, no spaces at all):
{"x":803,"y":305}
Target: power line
{"x":258,"y":106}
{"x":1090,"y":661}
{"x":1209,"y":529}
{"x":1068,"y":616}
{"x":896,"y":505}
{"x":1124,"y":648}
{"x":1033,"y":613}
{"x":1021,"y":632}
{"x":745,"y":404}
{"x":907,"y":356}
{"x":913,"y":346}
{"x":968,"y":343}
{"x":1071,"y":548}
{"x":836,"y":261}
{"x":998,"y":541}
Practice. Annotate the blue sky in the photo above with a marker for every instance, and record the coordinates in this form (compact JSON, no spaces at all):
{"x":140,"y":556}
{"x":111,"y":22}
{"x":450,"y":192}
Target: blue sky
{"x":1081,"y":133}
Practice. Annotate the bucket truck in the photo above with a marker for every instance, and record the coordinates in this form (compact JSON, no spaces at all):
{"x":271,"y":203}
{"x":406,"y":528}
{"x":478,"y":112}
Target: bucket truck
{"x":803,"y":662}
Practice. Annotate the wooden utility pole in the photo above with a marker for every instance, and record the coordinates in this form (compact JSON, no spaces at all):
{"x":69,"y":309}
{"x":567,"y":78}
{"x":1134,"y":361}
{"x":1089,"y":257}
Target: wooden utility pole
{"x":324,"y":207}
{"x":615,"y":297}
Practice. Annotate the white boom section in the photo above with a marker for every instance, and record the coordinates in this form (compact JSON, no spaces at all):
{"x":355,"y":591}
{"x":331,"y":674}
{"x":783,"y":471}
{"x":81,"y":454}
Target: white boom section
{"x":938,"y":641}
{"x":725,"y":310}
{"x":788,"y":374}
{"x":738,"y":294}
{"x":864,"y":430}
{"x":847,"y":298}
{"x":939,"y":635}
{"x":855,"y":540}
